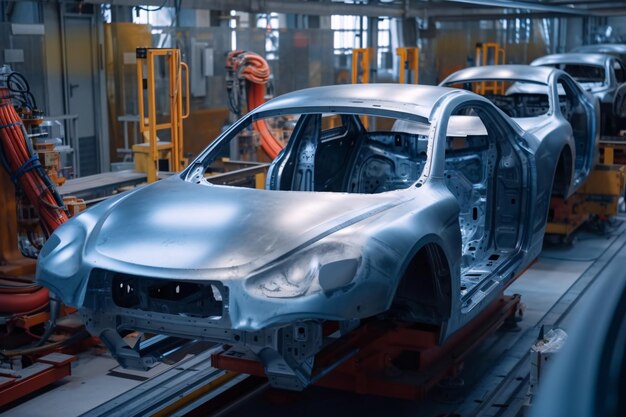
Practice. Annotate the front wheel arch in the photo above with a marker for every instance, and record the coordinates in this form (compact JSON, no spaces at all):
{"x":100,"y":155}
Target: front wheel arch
{"x":424,"y":293}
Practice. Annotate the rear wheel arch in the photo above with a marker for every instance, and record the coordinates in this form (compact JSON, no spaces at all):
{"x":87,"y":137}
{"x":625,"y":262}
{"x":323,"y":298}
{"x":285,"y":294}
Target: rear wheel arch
{"x":561,"y":180}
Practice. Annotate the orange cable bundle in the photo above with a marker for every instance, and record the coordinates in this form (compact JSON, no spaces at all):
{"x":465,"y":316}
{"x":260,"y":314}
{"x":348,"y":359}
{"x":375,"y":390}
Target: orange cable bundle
{"x":255,"y":69}
{"x":25,"y":168}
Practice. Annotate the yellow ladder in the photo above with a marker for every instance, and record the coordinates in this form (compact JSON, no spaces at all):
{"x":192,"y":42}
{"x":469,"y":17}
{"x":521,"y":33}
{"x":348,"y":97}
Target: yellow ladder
{"x":148,"y":154}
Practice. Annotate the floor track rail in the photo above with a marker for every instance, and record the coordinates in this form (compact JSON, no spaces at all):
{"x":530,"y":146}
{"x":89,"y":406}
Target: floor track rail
{"x":190,"y":380}
{"x":498,"y":396}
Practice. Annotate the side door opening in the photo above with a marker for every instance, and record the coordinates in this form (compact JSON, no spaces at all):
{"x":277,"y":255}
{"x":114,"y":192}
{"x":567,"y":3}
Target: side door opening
{"x":485,"y":172}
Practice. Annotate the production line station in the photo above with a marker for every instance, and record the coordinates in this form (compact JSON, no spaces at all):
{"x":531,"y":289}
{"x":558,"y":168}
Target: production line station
{"x":313,"y":207}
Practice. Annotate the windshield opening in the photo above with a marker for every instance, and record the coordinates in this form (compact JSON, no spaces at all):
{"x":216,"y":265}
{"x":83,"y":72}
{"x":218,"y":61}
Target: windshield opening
{"x":515,"y":98}
{"x":330,"y":152}
{"x":584,"y":74}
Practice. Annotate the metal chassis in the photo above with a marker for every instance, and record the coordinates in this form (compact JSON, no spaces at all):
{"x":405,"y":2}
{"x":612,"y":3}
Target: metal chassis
{"x":362,"y":360}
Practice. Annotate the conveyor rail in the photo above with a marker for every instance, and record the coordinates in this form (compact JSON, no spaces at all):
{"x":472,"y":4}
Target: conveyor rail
{"x":496,"y":391}
{"x":172,"y":390}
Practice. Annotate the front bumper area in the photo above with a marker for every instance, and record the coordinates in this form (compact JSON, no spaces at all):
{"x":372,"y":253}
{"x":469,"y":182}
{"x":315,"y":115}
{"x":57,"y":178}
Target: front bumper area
{"x":115,"y":303}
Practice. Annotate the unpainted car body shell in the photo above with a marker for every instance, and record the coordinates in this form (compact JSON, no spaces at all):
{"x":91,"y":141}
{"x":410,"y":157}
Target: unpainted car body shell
{"x":605,"y":92}
{"x":617,"y":49}
{"x":186,"y":229}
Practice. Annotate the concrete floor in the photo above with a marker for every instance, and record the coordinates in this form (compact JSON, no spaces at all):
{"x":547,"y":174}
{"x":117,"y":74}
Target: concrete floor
{"x":92,"y":381}
{"x":96,"y":378}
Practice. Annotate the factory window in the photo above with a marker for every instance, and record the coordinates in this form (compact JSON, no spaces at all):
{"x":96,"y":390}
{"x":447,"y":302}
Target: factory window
{"x":155,"y":16}
{"x":159,"y":18}
{"x":269,"y":22}
{"x":384,"y":43}
{"x":349,"y":32}
{"x":105,"y":9}
{"x":233,"y":29}
{"x":517,"y":30}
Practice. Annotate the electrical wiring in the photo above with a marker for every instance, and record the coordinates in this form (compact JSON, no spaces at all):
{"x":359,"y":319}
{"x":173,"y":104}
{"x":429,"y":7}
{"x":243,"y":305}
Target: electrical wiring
{"x":21,"y":162}
{"x":254,"y":69}
{"x":17,"y":83}
{"x":25,"y":169}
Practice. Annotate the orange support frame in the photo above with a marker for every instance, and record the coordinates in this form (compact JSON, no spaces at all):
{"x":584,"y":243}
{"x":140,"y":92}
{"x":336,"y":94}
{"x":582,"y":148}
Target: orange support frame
{"x":360,"y":66}
{"x":489,"y":53}
{"x":45,"y":371}
{"x":375,"y":345}
{"x":409,"y":62}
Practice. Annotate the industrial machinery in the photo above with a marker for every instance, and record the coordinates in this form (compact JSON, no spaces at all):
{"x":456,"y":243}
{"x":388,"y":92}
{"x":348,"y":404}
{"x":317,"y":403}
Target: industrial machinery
{"x":31,"y":210}
{"x":248,"y":72}
{"x":23,"y":171}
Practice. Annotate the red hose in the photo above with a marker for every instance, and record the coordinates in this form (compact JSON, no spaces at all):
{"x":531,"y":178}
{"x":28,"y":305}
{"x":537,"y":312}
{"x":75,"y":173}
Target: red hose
{"x":21,"y":303}
{"x":255,"y":69}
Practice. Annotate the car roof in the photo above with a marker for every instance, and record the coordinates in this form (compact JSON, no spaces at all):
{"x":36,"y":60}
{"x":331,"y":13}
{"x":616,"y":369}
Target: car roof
{"x":615,"y":48}
{"x":404,"y":98}
{"x":501,"y":72}
{"x":573,"y":58}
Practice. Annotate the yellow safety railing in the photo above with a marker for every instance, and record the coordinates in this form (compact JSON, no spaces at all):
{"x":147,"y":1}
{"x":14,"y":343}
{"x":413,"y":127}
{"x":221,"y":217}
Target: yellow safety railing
{"x":148,"y":154}
{"x":360,"y":66}
{"x":409,"y":63}
{"x":489,"y":53}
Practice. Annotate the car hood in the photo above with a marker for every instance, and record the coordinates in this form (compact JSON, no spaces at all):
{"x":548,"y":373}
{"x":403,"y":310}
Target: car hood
{"x":181,"y":225}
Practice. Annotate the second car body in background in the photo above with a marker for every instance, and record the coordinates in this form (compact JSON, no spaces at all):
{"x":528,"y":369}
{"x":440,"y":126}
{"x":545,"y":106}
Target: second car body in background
{"x":548,"y":103}
{"x":603,"y":75}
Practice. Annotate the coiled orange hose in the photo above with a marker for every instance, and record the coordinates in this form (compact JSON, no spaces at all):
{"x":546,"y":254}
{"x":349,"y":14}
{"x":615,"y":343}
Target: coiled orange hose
{"x":255,"y":69}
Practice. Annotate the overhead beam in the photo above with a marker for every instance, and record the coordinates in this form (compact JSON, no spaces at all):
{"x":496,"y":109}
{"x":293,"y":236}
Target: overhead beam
{"x":322,"y":8}
{"x":524,"y":5}
{"x":486,"y":15}
{"x":582,"y":2}
{"x":442,"y":10}
{"x":597,"y":5}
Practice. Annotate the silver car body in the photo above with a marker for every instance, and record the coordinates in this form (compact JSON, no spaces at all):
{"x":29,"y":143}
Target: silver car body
{"x":265,"y":268}
{"x":618,"y":49}
{"x":574,"y":136}
{"x":606,"y":90}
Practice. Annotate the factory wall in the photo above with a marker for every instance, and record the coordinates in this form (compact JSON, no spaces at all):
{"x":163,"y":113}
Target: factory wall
{"x":305,"y":56}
